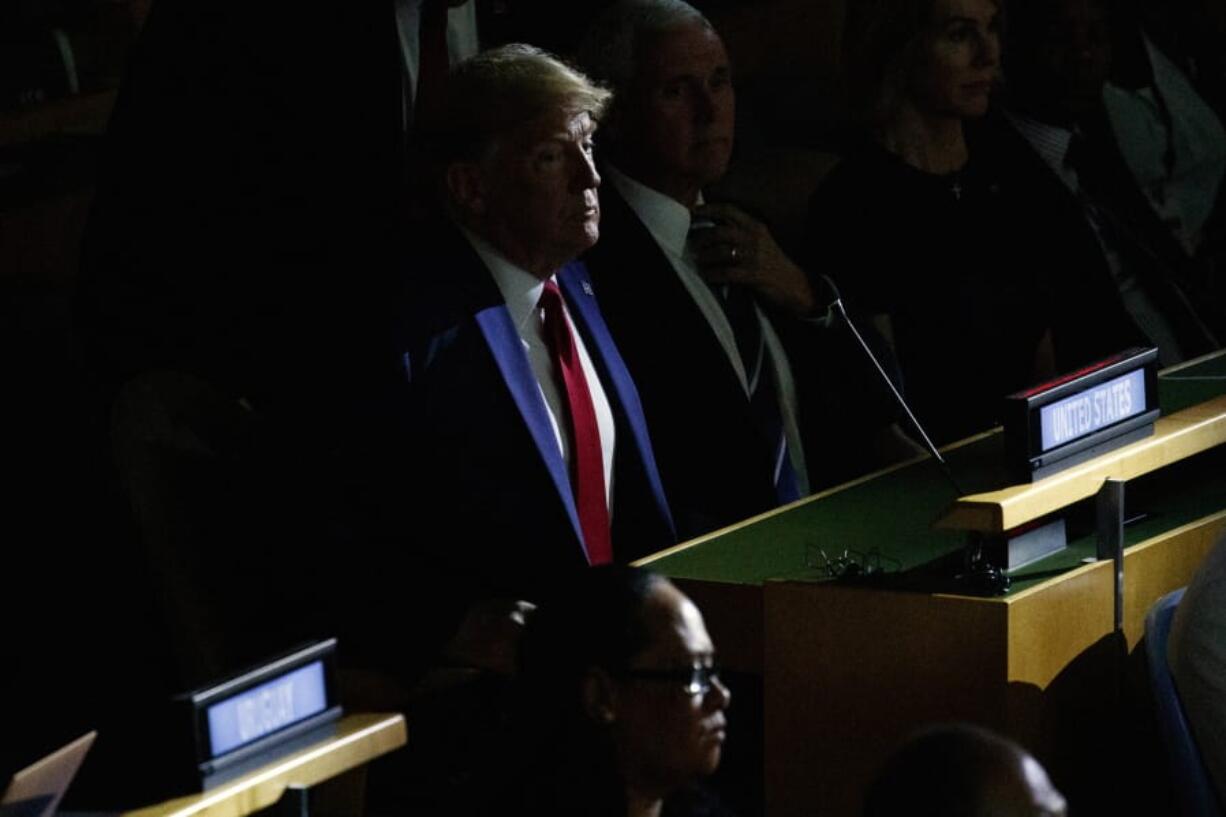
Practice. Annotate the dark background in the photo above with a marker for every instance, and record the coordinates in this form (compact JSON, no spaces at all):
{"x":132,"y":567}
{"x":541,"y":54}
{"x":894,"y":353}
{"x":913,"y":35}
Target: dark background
{"x":87,"y":643}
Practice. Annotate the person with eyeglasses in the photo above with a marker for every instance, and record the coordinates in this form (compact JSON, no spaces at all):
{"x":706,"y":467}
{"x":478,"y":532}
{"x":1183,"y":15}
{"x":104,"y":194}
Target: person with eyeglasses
{"x":621,"y":709}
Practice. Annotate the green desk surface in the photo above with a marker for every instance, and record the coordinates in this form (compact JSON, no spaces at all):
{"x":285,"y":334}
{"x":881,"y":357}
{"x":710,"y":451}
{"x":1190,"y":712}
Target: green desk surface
{"x":891,"y":513}
{"x":1185,"y":386}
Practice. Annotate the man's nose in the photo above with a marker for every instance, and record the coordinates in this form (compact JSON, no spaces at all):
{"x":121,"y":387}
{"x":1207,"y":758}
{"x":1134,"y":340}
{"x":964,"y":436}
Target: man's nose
{"x":1085,"y":43}
{"x":705,"y":105}
{"x":587,"y":176}
{"x":719,"y":696}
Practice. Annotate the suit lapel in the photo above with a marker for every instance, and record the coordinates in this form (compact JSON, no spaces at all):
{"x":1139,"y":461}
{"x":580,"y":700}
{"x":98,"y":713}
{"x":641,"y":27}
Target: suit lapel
{"x":585,"y":312}
{"x":647,"y":269}
{"x":508,"y":352}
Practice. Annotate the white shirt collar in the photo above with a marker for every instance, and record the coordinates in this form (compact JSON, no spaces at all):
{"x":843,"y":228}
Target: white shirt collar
{"x":667,"y":219}
{"x":1051,"y":142}
{"x":520,"y":289}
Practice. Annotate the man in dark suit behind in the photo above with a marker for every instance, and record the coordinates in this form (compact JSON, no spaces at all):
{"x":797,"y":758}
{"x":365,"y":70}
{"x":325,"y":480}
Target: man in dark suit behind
{"x":525,"y":445}
{"x":725,"y":336}
{"x":1059,"y":58}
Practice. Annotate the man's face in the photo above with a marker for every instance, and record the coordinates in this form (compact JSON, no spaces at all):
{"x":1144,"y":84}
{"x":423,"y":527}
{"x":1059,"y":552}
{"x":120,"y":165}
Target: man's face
{"x":677,"y":127}
{"x":539,"y":205}
{"x":960,"y":59}
{"x":1072,"y":57}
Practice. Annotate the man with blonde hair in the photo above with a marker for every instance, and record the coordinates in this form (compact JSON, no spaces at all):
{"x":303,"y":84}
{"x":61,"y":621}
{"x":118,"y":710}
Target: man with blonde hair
{"x":529,"y":456}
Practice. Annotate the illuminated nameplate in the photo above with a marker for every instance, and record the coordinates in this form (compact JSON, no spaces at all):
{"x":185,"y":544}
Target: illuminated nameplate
{"x":267,"y":708}
{"x":1074,"y":417}
{"x":247,"y":718}
{"x":1081,"y":415}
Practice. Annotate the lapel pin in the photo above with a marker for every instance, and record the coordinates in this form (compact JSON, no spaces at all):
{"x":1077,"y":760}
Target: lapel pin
{"x":587,"y":287}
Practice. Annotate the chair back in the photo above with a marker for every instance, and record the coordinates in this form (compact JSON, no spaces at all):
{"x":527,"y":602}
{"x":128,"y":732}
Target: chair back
{"x":1193,"y":789}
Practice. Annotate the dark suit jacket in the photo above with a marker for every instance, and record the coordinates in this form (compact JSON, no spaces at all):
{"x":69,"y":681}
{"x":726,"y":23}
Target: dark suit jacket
{"x":1173,"y":280}
{"x":487,"y":509}
{"x":973,"y":268}
{"x":1088,"y":319}
{"x":716,"y":470}
{"x":1083,"y":284}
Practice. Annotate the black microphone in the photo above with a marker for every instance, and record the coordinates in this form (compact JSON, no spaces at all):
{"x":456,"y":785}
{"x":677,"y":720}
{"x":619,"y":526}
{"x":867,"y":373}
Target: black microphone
{"x":978,"y":575}
{"x":835,"y":309}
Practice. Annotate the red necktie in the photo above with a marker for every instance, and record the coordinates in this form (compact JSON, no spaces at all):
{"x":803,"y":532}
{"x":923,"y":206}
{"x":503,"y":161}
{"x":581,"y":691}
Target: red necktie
{"x":433,"y":64}
{"x":587,"y":464}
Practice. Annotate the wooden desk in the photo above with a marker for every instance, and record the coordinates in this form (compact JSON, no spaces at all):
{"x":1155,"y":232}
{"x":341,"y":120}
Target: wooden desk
{"x":1176,"y":437}
{"x":848,"y":670}
{"x":357,"y":740}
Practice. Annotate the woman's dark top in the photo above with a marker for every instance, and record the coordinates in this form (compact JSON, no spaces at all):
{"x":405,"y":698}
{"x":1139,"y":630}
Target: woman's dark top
{"x":966,"y":265}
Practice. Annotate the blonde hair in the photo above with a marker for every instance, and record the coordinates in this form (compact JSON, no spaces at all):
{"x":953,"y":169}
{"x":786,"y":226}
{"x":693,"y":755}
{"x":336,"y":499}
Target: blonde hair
{"x":497,"y":91}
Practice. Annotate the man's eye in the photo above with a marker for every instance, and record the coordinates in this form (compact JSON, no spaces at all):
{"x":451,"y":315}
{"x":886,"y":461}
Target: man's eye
{"x":546,"y":157}
{"x":958,"y":33}
{"x":588,"y":146}
{"x":671,"y":91}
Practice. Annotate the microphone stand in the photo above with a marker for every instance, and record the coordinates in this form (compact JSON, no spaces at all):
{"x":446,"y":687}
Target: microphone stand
{"x":837,"y":307}
{"x":978,"y":573}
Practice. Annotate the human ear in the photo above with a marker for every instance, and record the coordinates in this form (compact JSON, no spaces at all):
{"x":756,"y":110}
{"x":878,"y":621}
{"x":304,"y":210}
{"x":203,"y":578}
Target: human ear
{"x":599,"y":696}
{"x":466,"y":187}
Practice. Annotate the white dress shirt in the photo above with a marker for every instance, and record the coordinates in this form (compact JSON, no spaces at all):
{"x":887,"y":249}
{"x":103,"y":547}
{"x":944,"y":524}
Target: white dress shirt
{"x":1051,"y":142}
{"x":522,"y":292}
{"x":668,"y":222}
{"x":1173,"y":143}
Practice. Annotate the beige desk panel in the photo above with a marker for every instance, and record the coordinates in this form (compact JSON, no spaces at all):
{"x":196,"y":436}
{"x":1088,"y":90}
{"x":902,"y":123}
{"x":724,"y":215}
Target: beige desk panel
{"x":850,"y":671}
{"x":1157,"y":566}
{"x":1175,"y":437}
{"x":358,"y":740}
